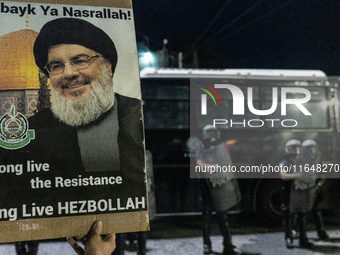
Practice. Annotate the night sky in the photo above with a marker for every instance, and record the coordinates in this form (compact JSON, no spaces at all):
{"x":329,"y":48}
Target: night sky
{"x":273,"y":34}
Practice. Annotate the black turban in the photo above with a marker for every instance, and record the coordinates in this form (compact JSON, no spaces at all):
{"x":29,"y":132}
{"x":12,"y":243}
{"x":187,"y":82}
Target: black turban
{"x":72,"y":31}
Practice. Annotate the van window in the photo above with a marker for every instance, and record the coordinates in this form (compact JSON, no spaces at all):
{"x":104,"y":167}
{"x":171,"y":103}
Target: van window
{"x":225,"y":111}
{"x":165,"y":106}
{"x":317,"y":105}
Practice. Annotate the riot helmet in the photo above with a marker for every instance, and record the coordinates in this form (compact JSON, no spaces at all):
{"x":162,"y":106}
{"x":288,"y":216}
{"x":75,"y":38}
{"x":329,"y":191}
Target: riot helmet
{"x":309,"y":147}
{"x":210,"y":135}
{"x":293,"y":147}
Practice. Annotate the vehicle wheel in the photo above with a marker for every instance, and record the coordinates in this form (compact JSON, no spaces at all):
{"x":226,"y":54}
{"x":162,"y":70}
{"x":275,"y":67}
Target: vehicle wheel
{"x":268,"y":201}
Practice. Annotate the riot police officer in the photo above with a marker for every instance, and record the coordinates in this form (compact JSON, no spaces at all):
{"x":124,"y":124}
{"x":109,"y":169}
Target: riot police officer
{"x":312,"y":156}
{"x":212,"y":188}
{"x":292,"y":151}
{"x":297,"y":194}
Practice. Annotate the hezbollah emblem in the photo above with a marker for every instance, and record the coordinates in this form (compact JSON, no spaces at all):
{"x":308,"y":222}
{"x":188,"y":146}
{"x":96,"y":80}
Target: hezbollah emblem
{"x":14,"y":132}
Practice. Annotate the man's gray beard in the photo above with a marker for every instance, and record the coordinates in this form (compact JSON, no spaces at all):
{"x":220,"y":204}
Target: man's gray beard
{"x":83,"y":111}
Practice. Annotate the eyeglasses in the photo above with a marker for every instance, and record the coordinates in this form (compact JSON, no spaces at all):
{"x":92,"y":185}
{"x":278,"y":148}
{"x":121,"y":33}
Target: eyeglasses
{"x":78,"y":62}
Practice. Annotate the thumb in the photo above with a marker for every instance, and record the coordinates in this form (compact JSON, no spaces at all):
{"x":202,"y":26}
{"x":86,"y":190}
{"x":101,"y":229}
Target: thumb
{"x":96,"y":228}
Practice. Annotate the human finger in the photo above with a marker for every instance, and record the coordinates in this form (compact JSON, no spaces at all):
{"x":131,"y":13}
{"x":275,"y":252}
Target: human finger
{"x":109,"y":238}
{"x":75,"y":246}
{"x":82,"y":238}
{"x":110,"y":242}
{"x":96,"y":228}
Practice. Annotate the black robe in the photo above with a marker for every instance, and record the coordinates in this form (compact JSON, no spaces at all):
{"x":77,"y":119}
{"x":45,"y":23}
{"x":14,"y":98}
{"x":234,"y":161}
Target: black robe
{"x":56,"y":143}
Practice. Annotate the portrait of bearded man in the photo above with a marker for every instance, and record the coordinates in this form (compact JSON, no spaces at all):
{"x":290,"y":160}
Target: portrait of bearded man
{"x":89,"y":127}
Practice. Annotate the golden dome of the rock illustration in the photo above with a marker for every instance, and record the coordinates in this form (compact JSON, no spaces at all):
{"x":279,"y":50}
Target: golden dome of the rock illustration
{"x":17,"y":66}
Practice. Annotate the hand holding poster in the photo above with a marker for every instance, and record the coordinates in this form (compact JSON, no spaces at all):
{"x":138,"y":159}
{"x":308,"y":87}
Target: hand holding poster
{"x":81,"y":159}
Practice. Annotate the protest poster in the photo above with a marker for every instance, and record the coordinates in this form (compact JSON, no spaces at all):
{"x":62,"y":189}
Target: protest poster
{"x":71,"y":145}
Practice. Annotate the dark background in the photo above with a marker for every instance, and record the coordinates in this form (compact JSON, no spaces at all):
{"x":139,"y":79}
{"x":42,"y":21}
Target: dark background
{"x":272,"y":34}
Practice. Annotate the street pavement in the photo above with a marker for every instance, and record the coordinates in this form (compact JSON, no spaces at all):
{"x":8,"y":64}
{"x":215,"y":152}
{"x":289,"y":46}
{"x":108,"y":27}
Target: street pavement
{"x":264,"y":243}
